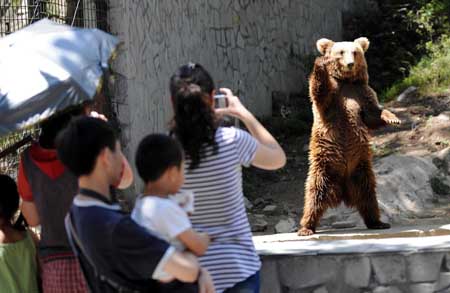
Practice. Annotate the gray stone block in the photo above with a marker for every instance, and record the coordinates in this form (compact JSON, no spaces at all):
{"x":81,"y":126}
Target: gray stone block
{"x":389,"y":269}
{"x":447,"y":262}
{"x":322,"y":289}
{"x":424,"y":267}
{"x":422,"y":288}
{"x":443,"y":282}
{"x":270,"y":209}
{"x":357,"y":271}
{"x":297,"y":291}
{"x":389,"y":289}
{"x":285,"y":226}
{"x":270,"y":283}
{"x":307,"y":271}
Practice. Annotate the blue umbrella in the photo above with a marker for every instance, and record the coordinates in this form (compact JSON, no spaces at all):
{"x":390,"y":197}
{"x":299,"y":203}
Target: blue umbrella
{"x":47,"y":67}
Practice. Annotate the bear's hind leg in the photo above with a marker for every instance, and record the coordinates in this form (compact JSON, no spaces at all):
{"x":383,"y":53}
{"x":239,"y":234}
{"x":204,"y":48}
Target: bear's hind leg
{"x":362,"y":195}
{"x":312,"y":212}
{"x":321,"y":192}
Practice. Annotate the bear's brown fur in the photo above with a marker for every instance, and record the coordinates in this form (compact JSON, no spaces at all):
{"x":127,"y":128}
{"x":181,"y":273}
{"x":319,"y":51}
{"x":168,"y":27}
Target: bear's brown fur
{"x":345,"y":108}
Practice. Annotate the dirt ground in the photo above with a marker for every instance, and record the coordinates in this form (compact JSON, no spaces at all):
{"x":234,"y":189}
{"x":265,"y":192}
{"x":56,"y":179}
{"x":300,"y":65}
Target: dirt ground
{"x":425,"y":128}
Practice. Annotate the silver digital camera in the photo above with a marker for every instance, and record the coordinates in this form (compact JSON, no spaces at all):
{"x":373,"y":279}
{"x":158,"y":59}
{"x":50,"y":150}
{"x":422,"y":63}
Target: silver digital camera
{"x":220,"y":101}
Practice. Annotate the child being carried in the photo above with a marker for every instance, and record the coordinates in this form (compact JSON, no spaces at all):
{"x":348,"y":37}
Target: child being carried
{"x":160,"y":164}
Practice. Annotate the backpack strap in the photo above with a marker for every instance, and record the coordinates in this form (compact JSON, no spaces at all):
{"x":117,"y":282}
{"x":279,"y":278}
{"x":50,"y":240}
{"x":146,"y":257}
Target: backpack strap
{"x":76,"y":243}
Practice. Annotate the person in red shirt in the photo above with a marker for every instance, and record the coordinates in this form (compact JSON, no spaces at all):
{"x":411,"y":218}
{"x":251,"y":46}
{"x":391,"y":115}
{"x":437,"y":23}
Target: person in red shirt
{"x":47,"y":189}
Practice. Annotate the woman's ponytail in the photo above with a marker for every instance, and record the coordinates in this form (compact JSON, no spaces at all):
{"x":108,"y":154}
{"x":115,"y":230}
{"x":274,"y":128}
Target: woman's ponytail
{"x":194,"y":122}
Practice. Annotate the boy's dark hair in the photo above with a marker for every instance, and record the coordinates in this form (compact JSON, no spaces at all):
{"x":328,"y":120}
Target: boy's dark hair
{"x":53,"y":125}
{"x":80,"y":143}
{"x":155,"y":154}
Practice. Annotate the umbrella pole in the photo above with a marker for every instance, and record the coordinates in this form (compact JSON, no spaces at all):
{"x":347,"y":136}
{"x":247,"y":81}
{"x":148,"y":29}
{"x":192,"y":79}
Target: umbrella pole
{"x":38,"y":4}
{"x":75,"y":13}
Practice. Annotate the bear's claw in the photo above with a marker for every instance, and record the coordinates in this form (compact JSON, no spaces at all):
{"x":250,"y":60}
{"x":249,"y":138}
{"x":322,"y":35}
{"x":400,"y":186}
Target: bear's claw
{"x":389,"y":117}
{"x":305,"y":232}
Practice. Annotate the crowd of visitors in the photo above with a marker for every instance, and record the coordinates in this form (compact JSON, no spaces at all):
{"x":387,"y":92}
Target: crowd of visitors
{"x":188,"y":230}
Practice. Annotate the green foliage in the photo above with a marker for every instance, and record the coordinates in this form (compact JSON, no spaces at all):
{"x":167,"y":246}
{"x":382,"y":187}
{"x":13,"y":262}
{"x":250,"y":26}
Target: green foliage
{"x":431,"y":74}
{"x":409,"y":46}
{"x":432,"y":18}
{"x":16,"y":3}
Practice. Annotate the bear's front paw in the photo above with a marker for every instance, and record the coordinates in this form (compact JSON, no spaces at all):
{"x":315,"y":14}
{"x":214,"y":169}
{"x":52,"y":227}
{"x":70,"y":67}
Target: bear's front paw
{"x":305,"y":232}
{"x":322,"y":62}
{"x":389,"y":117}
{"x":378,"y":225}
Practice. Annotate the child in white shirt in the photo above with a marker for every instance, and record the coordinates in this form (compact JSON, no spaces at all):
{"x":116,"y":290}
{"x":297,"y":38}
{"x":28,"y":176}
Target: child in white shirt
{"x":159,"y":162}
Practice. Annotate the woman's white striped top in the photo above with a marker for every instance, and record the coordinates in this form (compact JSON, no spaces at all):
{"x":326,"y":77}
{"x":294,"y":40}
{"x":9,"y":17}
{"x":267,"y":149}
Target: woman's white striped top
{"x":219,"y":208}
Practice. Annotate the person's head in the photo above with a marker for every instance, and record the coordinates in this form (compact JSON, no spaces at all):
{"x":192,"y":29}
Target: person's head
{"x":9,"y":200}
{"x":192,"y":73}
{"x":195,"y":123}
{"x":53,"y":125}
{"x":90,"y":144}
{"x":159,"y":158}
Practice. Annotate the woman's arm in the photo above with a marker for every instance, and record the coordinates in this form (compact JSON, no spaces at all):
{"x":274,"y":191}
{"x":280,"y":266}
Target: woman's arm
{"x":195,"y":242}
{"x":269,"y":154}
{"x":29,"y":211}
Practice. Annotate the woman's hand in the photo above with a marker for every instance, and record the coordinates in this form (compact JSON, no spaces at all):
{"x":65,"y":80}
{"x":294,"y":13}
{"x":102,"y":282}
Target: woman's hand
{"x":98,"y":115}
{"x":127,"y":175}
{"x":205,"y":282}
{"x":234,"y":108}
{"x":269,"y":154}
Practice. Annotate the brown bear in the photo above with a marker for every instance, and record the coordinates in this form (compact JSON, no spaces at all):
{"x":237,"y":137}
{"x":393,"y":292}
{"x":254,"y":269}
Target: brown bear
{"x":345,"y":109}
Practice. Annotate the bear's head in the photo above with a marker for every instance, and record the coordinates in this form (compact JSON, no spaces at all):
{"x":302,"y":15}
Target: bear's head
{"x":347,"y":58}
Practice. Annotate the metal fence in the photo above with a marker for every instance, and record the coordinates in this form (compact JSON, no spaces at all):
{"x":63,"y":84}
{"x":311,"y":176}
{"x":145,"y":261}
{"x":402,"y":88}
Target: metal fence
{"x":16,"y":14}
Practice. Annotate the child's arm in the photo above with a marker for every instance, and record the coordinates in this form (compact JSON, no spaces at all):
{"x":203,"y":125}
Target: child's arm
{"x":196,"y":242}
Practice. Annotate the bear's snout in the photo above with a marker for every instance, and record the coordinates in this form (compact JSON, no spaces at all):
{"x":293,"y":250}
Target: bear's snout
{"x":348,"y":61}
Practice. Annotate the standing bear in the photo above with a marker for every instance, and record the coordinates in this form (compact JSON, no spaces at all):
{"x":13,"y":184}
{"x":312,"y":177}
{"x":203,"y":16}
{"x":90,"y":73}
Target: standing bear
{"x":345,"y":109}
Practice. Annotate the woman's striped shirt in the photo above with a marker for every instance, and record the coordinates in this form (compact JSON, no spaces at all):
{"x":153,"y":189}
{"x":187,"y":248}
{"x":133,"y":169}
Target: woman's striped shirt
{"x":219,"y":208}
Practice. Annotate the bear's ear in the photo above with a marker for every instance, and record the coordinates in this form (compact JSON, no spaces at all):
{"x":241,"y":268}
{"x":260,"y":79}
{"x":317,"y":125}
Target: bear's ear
{"x":323,"y":45}
{"x":363,"y":42}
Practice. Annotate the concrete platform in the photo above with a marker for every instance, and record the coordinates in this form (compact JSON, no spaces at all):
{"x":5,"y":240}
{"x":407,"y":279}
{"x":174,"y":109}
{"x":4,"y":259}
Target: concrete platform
{"x":402,"y":259}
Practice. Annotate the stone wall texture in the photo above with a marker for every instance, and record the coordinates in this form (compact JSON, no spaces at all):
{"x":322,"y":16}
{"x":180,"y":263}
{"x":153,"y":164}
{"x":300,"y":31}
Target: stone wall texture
{"x":420,"y":272}
{"x":254,"y":47}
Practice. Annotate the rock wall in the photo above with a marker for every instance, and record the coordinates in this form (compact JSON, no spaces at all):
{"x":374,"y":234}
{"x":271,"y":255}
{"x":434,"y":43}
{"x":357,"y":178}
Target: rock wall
{"x":398,"y":260}
{"x":253,"y":47}
{"x":382,"y":273}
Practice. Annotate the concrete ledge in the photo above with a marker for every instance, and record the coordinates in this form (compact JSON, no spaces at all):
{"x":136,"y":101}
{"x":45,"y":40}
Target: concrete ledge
{"x":394,"y":260}
{"x":356,"y":241}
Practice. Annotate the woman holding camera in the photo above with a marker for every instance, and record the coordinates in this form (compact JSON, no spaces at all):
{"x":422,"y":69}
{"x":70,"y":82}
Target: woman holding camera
{"x":214,"y":157}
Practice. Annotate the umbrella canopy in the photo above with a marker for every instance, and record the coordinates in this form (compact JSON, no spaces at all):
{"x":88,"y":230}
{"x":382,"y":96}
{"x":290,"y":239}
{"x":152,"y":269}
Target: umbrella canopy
{"x":47,"y":67}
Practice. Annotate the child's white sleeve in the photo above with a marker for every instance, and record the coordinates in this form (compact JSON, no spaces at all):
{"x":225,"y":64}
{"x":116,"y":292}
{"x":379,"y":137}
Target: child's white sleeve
{"x":171,"y":220}
{"x":184,"y":199}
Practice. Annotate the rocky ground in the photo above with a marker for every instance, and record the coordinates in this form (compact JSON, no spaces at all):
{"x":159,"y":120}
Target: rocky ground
{"x":412,"y":164}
